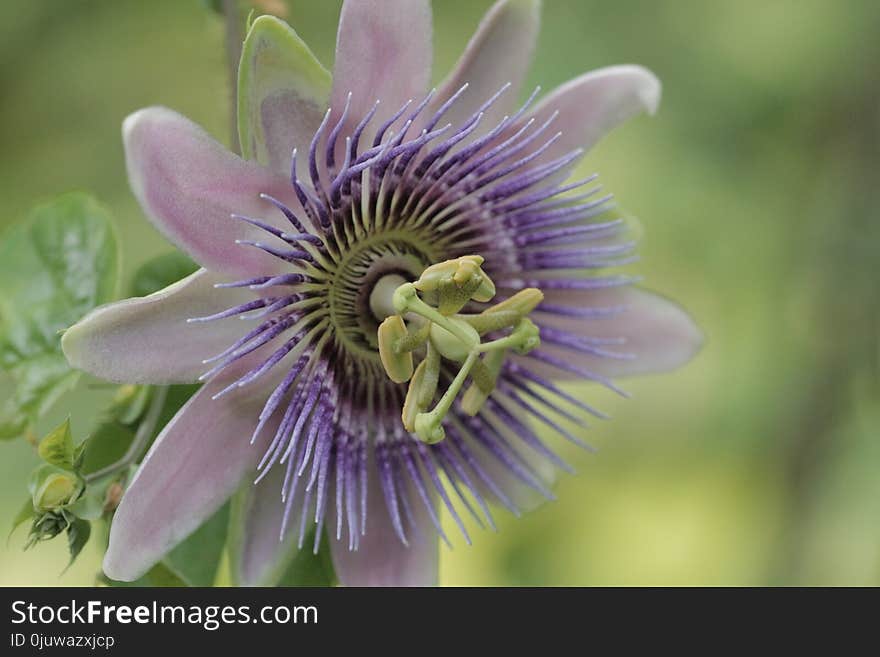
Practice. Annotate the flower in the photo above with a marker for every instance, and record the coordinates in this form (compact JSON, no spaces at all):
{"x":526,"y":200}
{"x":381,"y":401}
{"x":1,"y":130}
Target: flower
{"x":309,"y":247}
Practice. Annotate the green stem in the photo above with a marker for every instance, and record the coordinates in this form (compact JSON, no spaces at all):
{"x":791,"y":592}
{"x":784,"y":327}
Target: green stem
{"x":141,"y":438}
{"x":234,"y":40}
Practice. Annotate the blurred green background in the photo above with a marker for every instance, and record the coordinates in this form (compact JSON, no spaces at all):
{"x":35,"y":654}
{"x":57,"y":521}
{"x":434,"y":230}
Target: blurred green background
{"x":756,"y":183}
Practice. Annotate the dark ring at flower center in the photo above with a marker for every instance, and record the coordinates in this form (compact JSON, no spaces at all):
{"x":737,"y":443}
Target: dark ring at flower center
{"x":349,"y":293}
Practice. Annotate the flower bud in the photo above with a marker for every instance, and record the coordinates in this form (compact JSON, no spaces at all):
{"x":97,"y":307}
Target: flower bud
{"x":52,"y":488}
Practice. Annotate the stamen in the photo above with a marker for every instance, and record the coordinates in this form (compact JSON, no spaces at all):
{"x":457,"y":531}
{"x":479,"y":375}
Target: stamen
{"x":455,"y":282}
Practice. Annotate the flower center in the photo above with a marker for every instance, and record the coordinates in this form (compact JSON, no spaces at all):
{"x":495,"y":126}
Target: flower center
{"x":357,"y":275}
{"x":449,"y":334}
{"x":380,"y":289}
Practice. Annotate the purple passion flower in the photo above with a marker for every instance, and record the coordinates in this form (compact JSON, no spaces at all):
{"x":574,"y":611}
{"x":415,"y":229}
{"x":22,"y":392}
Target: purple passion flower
{"x":349,"y":189}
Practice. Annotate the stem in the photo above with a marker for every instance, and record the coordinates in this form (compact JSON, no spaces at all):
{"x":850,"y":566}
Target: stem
{"x":234,"y":38}
{"x":141,"y":438}
{"x":428,"y":423}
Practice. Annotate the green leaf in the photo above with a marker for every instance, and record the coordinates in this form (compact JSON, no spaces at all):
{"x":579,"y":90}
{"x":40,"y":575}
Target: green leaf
{"x":77,"y":536}
{"x":162,"y":575}
{"x":160,"y":272}
{"x":57,"y":447}
{"x":294,"y":567}
{"x":107,"y":444}
{"x":24,"y":514}
{"x":54,"y":268}
{"x":277,"y":71}
{"x":310,"y":569}
{"x":197,"y":558}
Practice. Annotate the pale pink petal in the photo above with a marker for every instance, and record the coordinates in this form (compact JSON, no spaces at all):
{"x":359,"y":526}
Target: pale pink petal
{"x":499,"y":52}
{"x":657,"y":332}
{"x":593,"y":104}
{"x":196,"y":463}
{"x":383,"y":52}
{"x":381,"y":558}
{"x":148,"y":340}
{"x":189,"y":185}
{"x":258,"y":555}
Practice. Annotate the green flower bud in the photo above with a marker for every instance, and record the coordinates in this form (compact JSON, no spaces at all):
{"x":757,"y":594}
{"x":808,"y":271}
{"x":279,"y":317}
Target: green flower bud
{"x":52,"y":488}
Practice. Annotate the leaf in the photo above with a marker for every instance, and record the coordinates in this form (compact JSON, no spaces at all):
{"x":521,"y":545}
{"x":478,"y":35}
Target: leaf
{"x":54,"y":268}
{"x":308,"y":568}
{"x":39,"y":381}
{"x":197,"y":558}
{"x":56,"y":448}
{"x":24,"y":514}
{"x":90,"y":505}
{"x":107,"y":444}
{"x":292,"y":567}
{"x":160,"y":272}
{"x":162,"y":575}
{"x":77,"y":536}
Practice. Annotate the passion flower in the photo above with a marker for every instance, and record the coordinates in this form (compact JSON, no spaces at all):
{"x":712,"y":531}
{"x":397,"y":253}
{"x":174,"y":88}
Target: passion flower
{"x":373,"y":224}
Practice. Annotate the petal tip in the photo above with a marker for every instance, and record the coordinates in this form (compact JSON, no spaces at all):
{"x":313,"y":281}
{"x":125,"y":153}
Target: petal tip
{"x":116,"y":568}
{"x":684,"y":332}
{"x":142,"y":117}
{"x":647,"y":87}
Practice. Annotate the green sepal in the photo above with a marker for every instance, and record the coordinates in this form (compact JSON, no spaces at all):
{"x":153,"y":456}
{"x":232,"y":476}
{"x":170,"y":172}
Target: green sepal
{"x":309,"y":569}
{"x":57,"y":448}
{"x":24,"y":514}
{"x":276,"y":66}
{"x":160,"y":272}
{"x":78,"y":534}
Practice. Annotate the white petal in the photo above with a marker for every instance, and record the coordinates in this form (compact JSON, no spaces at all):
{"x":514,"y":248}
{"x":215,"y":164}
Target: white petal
{"x":196,"y":463}
{"x":189,"y":185}
{"x":148,"y":340}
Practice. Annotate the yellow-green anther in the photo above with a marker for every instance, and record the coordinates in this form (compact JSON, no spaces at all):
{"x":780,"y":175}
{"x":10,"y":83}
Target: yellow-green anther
{"x":488,"y":322}
{"x":523,"y":302}
{"x":398,"y":364}
{"x":428,"y":387}
{"x":481,"y":375}
{"x":412,"y":405}
{"x":422,"y":388}
{"x":477,"y":394}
